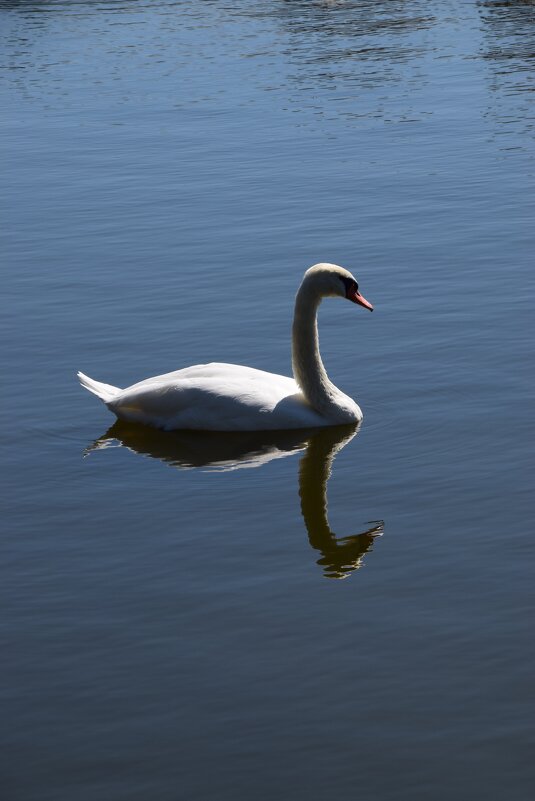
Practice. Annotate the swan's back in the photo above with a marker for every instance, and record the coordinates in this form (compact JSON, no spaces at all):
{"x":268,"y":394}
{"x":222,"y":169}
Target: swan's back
{"x":216,"y":397}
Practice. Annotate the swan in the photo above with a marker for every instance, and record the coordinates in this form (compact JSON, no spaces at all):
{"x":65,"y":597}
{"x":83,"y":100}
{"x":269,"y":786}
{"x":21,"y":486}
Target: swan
{"x":231,"y":397}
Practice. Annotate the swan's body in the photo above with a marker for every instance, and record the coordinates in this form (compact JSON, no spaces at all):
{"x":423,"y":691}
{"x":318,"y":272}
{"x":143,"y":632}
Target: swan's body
{"x":218,"y":397}
{"x":230,"y":397}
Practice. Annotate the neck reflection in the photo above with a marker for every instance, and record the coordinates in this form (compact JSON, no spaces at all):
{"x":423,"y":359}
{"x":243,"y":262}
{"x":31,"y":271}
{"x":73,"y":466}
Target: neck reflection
{"x":339,"y":556}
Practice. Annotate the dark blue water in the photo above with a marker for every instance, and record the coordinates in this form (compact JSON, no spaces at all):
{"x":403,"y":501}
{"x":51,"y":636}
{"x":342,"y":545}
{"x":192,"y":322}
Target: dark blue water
{"x":170,"y":170}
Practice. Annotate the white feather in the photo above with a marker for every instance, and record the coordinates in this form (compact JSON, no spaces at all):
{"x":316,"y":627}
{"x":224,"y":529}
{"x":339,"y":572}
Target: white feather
{"x":103,"y":391}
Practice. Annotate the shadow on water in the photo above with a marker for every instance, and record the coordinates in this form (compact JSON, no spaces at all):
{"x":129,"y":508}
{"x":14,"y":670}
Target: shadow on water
{"x":509,"y":27}
{"x":508,"y":47}
{"x":353,"y":18}
{"x":220,"y":451}
{"x":347,"y":60}
{"x":338,"y":37}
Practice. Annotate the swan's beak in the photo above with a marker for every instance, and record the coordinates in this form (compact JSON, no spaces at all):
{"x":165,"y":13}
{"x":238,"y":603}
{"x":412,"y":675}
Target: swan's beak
{"x":355,"y":296}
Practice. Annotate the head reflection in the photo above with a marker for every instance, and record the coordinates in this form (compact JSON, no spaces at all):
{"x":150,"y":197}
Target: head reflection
{"x":340,"y":556}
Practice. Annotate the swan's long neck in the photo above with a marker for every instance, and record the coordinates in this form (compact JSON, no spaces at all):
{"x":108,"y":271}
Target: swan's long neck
{"x":307,"y":365}
{"x":308,"y":368}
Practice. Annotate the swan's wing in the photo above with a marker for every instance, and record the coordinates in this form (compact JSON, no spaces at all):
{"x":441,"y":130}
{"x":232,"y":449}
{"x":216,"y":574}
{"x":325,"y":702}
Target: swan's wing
{"x":218,"y":397}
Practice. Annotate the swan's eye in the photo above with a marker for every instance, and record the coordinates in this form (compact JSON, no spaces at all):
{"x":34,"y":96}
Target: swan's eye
{"x":349,"y":284}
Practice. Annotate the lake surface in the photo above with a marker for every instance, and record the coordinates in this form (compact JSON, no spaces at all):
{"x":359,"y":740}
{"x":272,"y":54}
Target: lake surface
{"x":179,"y":627}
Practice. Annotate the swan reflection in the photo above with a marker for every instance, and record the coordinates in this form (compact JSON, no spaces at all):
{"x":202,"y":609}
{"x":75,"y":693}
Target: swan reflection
{"x":340,"y":556}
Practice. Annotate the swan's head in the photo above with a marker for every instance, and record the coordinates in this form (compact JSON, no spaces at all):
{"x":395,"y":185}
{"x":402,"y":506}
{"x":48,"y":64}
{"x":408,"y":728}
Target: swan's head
{"x":329,"y":280}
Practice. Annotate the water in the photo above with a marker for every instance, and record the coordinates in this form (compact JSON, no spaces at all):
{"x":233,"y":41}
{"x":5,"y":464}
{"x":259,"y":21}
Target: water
{"x":177,"y":626}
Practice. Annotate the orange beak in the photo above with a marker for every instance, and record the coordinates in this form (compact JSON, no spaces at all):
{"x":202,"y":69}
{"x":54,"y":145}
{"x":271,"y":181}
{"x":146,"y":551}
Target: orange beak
{"x":355,"y":296}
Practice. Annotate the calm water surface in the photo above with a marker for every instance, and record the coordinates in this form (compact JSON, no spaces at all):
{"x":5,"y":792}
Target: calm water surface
{"x":178,"y":627}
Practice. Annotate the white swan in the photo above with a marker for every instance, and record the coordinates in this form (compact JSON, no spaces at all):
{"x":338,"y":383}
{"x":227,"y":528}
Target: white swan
{"x":230,"y":397}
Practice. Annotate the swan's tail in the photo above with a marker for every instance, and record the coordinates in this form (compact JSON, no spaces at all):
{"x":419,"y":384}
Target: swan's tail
{"x":103,"y":391}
